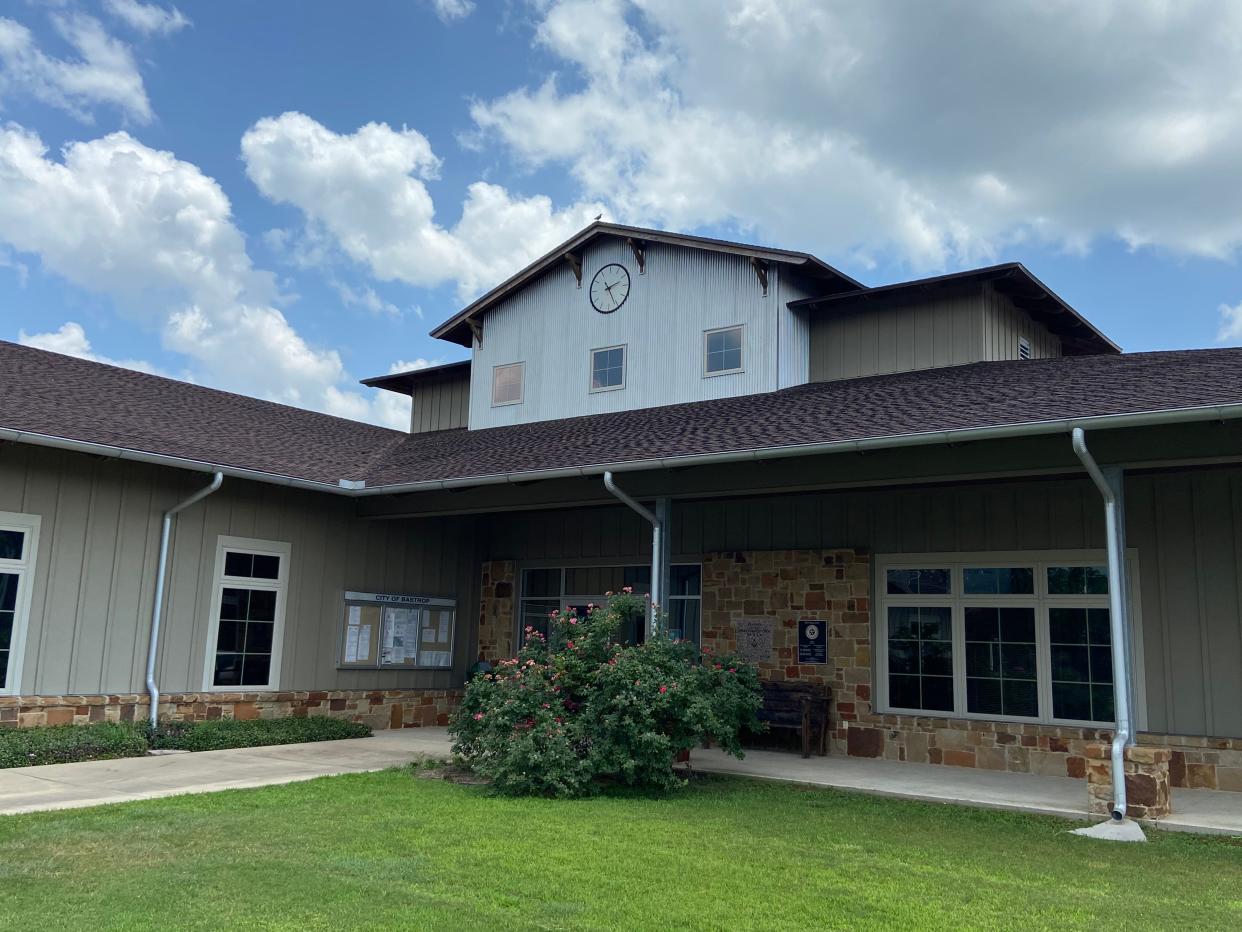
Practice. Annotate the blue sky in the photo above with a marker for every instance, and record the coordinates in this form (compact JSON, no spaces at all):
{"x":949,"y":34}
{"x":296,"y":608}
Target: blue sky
{"x":283,"y":197}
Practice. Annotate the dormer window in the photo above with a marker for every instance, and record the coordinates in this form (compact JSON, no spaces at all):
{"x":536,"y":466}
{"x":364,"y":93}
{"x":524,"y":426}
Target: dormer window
{"x":507,"y":384}
{"x":608,"y":369}
{"x":722,"y":351}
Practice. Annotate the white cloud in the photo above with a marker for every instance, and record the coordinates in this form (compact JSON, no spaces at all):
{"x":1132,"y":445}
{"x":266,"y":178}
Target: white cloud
{"x":106,"y":72}
{"x":943,"y":133}
{"x":450,"y":10}
{"x":367,"y":298}
{"x":156,"y":234}
{"x":1230,"y":323}
{"x":366,"y":191}
{"x":147,"y":18}
{"x":71,"y":340}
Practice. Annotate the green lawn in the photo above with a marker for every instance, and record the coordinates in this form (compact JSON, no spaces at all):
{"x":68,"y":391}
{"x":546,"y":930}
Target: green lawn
{"x":386,"y":850}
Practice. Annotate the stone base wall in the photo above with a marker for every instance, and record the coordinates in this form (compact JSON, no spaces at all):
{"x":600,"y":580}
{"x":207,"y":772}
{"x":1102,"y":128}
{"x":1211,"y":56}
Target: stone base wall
{"x":833,"y":586}
{"x":1147,"y":781}
{"x":497,"y":597}
{"x":381,"y":709}
{"x":1201,"y":763}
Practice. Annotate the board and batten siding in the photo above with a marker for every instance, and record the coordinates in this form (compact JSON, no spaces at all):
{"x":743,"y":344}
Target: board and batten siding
{"x":95,"y":573}
{"x":551,"y":327}
{"x":440,"y":402}
{"x":1185,"y":526}
{"x":975,"y":324}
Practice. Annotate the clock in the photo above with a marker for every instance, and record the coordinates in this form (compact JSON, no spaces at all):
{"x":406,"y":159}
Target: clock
{"x":609,"y":288}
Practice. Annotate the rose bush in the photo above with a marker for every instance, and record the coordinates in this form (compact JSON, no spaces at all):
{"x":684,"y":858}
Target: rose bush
{"x":575,"y":707}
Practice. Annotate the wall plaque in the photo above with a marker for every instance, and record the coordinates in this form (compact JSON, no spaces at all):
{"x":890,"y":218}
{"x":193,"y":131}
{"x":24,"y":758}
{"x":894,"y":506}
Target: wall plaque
{"x":812,"y":642}
{"x":754,"y":639}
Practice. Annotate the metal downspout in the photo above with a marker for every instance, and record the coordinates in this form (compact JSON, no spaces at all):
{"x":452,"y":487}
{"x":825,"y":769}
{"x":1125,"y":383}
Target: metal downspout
{"x":160,"y":574}
{"x":657,"y":545}
{"x":1120,"y":622}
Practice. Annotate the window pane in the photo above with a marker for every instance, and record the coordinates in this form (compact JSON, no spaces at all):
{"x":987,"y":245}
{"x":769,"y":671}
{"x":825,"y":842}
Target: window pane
{"x":11,"y":544}
{"x":256,"y":668}
{"x":1071,"y":700}
{"x":936,"y":624}
{"x":234,"y":603}
{"x":262,"y":605}
{"x":1099,"y":629}
{"x":4,"y":668}
{"x":1067,"y":625}
{"x":266,"y":566}
{"x":259,"y":637}
{"x":903,"y":622}
{"x":903,"y":692}
{"x":535,"y":615}
{"x":983,"y":696}
{"x":238,"y":564}
{"x":8,"y":592}
{"x":937,"y":693}
{"x":1017,"y":624}
{"x":1077,"y":580}
{"x":637,"y":578}
{"x":918,"y":582}
{"x":1102,"y":704}
{"x":982,"y":624}
{"x":542,"y":583}
{"x":1020,"y":698}
{"x":1070,"y":664}
{"x":999,"y":581}
{"x":683,"y":620}
{"x":228,"y":670}
{"x":936,"y":658}
{"x":903,"y":657}
{"x":232,"y":636}
{"x":684,"y":579}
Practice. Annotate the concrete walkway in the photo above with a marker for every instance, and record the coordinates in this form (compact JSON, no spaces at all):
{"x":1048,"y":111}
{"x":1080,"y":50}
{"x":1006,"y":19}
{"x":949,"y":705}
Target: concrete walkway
{"x":94,"y":783}
{"x":1203,"y":811}
{"x":69,"y":786}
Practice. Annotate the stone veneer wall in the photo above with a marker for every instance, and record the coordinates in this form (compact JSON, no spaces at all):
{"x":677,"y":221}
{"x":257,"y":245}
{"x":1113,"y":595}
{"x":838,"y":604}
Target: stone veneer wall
{"x":379,"y":708}
{"x":834,"y":587}
{"x":497,"y":597}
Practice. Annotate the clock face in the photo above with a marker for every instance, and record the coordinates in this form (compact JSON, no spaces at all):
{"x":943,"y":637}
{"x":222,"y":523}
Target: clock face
{"x":609,"y":288}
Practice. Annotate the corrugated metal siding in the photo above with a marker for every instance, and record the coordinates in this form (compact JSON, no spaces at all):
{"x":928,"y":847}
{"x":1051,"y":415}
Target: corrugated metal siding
{"x":95,"y":573}
{"x":441,"y":403}
{"x":551,"y":326}
{"x":1003,"y":324}
{"x":1186,"y":527}
{"x":975,"y":325}
{"x":795,"y":327}
{"x":943,"y":332}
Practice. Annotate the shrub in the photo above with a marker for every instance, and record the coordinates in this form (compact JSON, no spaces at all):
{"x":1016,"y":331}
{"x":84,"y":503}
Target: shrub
{"x":236,"y":733}
{"x":66,"y":744}
{"x":576,"y":706}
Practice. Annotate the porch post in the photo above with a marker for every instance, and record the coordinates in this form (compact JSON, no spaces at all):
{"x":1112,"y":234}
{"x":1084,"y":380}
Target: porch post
{"x":661,"y":547}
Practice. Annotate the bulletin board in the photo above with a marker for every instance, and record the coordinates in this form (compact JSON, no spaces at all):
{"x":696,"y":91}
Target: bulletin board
{"x":388,"y":630}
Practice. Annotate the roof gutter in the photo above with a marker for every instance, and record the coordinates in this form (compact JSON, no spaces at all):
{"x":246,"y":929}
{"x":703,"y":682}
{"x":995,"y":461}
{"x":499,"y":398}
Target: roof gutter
{"x":356,"y":488}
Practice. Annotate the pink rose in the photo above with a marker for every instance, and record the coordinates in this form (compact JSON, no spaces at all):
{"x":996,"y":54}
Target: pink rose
{"x":478,"y":716}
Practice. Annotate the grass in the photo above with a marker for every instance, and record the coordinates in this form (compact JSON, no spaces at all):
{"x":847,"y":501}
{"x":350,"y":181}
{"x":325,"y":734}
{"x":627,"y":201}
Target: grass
{"x":385,"y":850}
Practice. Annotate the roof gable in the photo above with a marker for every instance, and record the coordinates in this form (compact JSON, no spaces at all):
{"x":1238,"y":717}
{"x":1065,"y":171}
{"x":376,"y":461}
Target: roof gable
{"x":460,"y":327}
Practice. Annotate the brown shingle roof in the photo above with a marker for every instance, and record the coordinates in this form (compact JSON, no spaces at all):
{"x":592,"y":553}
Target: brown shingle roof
{"x":959,"y":397}
{"x":63,"y":396}
{"x":66,"y":397}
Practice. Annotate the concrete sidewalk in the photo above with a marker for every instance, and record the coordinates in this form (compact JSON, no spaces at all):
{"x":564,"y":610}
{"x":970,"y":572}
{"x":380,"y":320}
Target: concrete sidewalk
{"x":94,"y":783}
{"x":1201,"y":811}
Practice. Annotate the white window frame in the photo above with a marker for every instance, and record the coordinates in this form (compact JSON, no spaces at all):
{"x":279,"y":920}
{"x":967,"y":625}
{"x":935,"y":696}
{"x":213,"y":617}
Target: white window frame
{"x":625,"y":360}
{"x":521,"y":367}
{"x":220,"y":582}
{"x":958,"y":601}
{"x":741,"y":328}
{"x":24,"y":570}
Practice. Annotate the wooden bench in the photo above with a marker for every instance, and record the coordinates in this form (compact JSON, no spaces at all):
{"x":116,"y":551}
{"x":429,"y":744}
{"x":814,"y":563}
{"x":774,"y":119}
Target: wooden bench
{"x":800,"y":706}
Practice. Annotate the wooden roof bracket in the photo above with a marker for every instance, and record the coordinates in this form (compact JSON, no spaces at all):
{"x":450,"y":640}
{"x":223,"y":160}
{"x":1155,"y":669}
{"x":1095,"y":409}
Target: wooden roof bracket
{"x":476,"y":327}
{"x":575,"y":263}
{"x":761,"y":272}
{"x":639,"y":248}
